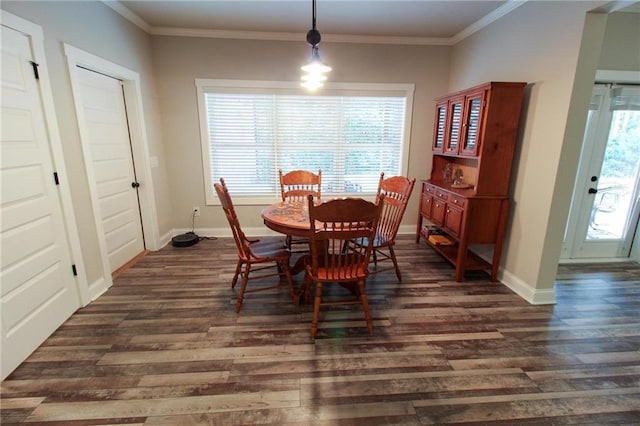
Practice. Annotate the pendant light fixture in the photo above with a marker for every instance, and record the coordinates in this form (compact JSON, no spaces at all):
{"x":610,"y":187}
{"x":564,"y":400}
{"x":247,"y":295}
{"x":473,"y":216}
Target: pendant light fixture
{"x":315,"y":71}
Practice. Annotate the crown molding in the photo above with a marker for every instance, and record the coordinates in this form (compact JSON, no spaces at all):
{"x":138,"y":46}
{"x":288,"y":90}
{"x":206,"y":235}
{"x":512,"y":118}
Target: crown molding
{"x":503,"y":10}
{"x":486,"y":20}
{"x":242,"y":35}
{"x":128,"y":14}
{"x":258,"y":35}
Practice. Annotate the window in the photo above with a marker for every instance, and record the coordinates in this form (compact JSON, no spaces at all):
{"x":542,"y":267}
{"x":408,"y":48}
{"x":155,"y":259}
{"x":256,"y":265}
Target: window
{"x":250,"y":129}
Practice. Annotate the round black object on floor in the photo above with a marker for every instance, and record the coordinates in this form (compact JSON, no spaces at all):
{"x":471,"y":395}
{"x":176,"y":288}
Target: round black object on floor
{"x":185,"y":240}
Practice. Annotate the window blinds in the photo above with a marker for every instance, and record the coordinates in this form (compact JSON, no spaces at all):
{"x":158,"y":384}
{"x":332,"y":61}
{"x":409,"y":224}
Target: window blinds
{"x":352,"y":138}
{"x":625,"y":98}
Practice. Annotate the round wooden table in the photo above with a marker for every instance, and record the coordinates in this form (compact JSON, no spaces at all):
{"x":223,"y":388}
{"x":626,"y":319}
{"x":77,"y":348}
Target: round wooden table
{"x":288,"y":217}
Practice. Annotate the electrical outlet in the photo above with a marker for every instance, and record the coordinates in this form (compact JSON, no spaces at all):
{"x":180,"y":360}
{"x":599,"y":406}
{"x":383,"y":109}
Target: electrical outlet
{"x":196,"y":211}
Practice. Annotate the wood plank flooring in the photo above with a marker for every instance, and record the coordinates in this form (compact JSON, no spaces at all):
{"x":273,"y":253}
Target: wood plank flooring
{"x":164,"y":346}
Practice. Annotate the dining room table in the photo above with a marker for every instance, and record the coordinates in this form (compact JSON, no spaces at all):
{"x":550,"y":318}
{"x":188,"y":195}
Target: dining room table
{"x":288,"y":218}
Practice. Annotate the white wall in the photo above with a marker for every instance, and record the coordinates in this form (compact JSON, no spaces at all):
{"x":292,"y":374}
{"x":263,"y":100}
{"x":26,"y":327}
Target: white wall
{"x":97,"y":29}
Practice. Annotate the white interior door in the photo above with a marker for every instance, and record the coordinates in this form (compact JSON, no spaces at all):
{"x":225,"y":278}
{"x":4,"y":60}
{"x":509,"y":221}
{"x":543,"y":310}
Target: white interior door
{"x":38,"y":290}
{"x":106,"y":138}
{"x":604,"y":212}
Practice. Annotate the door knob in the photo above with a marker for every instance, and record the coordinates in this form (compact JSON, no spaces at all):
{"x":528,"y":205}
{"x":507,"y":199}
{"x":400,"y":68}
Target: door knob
{"x":592,"y":190}
{"x":135,"y":185}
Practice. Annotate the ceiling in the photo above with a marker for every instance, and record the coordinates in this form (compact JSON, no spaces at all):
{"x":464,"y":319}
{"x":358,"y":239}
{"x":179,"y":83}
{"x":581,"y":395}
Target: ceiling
{"x":379,"y":21}
{"x":396,"y":21}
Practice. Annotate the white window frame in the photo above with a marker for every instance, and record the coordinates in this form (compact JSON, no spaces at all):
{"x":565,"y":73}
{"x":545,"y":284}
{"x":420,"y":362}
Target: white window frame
{"x":252,"y":86}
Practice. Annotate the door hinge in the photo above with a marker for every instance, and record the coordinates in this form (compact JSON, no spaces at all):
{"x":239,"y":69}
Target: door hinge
{"x":35,"y":70}
{"x":75,"y":271}
{"x":55,"y":178}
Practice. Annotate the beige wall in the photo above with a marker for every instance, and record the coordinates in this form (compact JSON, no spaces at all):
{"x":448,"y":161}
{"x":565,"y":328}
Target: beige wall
{"x":180,"y":60}
{"x":621,"y":46}
{"x":97,"y":29}
{"x":538,"y":43}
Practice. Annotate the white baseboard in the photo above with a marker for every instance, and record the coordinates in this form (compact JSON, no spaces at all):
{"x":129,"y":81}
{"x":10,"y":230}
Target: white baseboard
{"x":596,"y":260}
{"x":407,"y":230}
{"x":98,"y":287}
{"x":534,"y":296}
{"x":518,"y":286}
{"x":166,"y":238}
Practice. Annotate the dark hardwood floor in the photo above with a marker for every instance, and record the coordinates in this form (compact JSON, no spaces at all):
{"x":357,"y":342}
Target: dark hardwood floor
{"x":164,"y":345}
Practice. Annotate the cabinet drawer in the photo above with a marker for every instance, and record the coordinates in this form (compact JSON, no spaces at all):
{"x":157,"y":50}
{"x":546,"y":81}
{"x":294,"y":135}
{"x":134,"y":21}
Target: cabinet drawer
{"x":441,"y":194}
{"x":428,"y":189}
{"x":457,"y":200}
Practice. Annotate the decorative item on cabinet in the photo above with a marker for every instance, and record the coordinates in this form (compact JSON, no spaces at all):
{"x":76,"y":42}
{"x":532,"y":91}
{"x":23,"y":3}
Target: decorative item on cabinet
{"x":447,"y":175}
{"x":466,"y":197}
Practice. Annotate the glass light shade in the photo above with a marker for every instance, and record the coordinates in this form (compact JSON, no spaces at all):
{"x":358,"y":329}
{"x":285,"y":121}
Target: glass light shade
{"x":311,"y":85}
{"x":314,"y":77}
{"x":316,"y":67}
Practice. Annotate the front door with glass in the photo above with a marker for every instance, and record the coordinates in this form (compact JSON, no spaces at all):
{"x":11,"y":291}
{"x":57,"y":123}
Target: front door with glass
{"x":604,"y":210}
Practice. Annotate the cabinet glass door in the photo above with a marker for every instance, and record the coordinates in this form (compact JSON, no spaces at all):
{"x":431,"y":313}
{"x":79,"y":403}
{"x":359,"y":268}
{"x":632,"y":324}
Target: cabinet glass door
{"x":440,"y":126}
{"x":455,"y":121}
{"x":473,"y":115}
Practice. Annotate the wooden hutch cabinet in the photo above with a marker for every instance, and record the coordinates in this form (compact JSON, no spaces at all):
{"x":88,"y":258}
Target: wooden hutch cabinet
{"x":466,"y":197}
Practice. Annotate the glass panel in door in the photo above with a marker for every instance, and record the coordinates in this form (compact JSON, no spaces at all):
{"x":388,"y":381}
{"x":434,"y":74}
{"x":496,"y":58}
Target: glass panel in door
{"x":472,"y":124}
{"x":604,"y":211}
{"x":441,"y":124}
{"x":455,"y":122}
{"x":612,"y":210}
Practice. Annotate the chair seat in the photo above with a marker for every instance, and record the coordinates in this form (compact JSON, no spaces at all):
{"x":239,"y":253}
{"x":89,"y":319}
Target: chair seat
{"x":267,"y":243}
{"x":271,"y":247}
{"x":378,"y":241}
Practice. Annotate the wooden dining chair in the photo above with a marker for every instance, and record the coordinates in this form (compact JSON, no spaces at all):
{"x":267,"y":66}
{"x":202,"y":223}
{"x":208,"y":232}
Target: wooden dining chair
{"x":254,"y":255}
{"x":333,"y":224}
{"x":295,"y":186}
{"x":396,"y":191}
